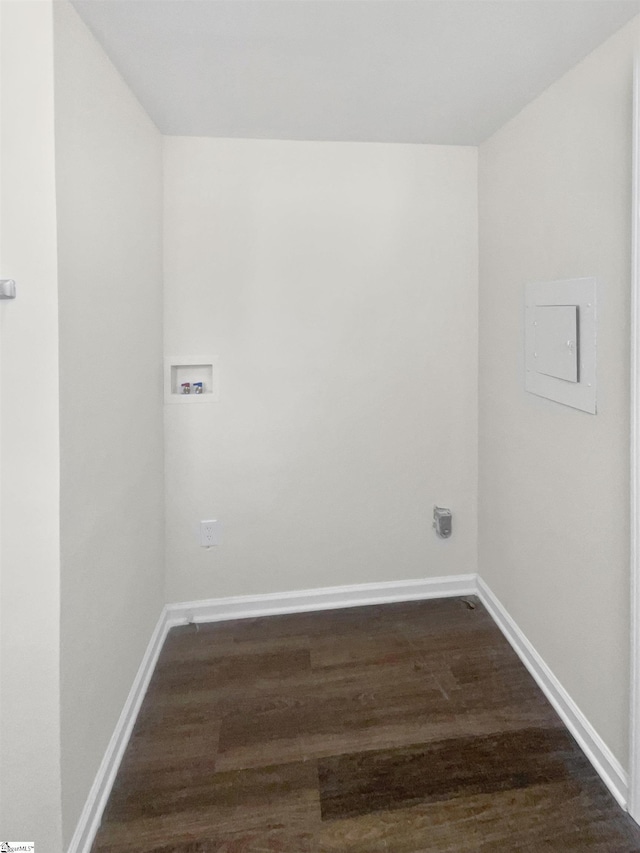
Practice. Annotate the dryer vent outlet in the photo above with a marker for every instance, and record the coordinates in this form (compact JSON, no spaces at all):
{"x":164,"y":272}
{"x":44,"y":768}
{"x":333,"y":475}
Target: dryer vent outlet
{"x":442,"y":521}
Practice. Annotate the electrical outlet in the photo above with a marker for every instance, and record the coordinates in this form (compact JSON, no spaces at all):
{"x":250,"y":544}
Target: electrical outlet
{"x":209,"y":533}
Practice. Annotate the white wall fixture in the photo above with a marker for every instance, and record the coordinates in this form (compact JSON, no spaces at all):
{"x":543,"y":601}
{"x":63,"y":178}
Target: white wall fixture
{"x":191,"y":379}
{"x":209,"y":533}
{"x":7,"y":288}
{"x":560,"y":342}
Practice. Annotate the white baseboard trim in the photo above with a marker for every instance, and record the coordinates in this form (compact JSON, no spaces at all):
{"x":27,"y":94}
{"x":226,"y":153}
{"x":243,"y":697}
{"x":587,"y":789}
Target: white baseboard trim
{"x":603,"y":760}
{"x":327,"y":598}
{"x":238,"y":607}
{"x":91,"y":816}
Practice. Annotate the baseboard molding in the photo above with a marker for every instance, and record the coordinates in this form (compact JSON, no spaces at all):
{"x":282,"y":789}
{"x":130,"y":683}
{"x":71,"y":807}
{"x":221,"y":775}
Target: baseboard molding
{"x":604,"y":762}
{"x":91,"y":816}
{"x":326,"y":598}
{"x":239,"y":607}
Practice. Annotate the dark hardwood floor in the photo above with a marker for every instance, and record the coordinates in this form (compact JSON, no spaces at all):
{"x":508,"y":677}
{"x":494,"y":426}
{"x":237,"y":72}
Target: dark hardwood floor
{"x":402,"y":728}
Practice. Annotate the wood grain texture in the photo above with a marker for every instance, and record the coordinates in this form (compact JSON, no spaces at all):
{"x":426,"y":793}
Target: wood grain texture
{"x":400,"y":728}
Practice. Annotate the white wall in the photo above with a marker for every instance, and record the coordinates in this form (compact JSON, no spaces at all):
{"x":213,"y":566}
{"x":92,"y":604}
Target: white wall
{"x":29,"y":455}
{"x":555,"y":188}
{"x":337,"y":283}
{"x":109,"y":164}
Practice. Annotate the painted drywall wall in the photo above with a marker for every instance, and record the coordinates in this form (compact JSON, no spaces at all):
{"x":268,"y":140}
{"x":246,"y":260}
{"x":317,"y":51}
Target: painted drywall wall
{"x":109,"y":191}
{"x":337,"y":285}
{"x":29,"y":455}
{"x":555,"y":202}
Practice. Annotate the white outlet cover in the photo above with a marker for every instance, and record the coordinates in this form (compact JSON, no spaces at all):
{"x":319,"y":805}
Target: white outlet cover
{"x":209,"y":533}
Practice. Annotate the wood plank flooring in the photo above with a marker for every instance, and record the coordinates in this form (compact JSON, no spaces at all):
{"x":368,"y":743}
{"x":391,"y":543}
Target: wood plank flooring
{"x":401,"y":728}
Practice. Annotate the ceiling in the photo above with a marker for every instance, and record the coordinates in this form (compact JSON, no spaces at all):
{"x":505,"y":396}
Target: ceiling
{"x":426,"y":71}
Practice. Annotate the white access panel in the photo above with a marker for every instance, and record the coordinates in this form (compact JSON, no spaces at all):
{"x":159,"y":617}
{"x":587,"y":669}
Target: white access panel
{"x":560,"y":342}
{"x":555,"y":330}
